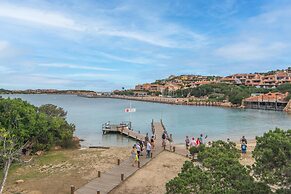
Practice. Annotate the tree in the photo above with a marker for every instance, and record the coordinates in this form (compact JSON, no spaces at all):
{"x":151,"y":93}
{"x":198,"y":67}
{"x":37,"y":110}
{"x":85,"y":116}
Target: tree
{"x":22,"y":124}
{"x":219,"y":171}
{"x":273,"y":158}
{"x":10,"y":150}
{"x":52,"y":110}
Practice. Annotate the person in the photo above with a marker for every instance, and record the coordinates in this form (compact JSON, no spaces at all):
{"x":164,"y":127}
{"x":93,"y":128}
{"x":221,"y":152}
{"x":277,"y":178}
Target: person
{"x":146,"y":137}
{"x":201,"y":138}
{"x":187,"y":142}
{"x":243,"y":140}
{"x":164,"y":136}
{"x":243,"y":148}
{"x":153,"y":142}
{"x":149,"y":148}
{"x":198,"y":142}
{"x":133,"y":155}
{"x":192,"y":142}
{"x":138,"y":149}
{"x":141,"y":144}
{"x":170,"y":139}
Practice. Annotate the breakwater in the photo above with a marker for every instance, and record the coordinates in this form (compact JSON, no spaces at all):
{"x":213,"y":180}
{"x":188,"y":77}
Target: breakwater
{"x":164,"y":100}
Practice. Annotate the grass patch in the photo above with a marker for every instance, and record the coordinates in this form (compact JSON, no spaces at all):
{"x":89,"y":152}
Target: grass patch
{"x":51,"y":158}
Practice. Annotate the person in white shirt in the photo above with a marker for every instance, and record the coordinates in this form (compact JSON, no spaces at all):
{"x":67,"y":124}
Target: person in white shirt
{"x":149,"y":148}
{"x":138,"y":149}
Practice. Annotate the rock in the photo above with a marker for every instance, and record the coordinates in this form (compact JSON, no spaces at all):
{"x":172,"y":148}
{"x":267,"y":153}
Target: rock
{"x":19,"y":181}
{"x":39,"y":153}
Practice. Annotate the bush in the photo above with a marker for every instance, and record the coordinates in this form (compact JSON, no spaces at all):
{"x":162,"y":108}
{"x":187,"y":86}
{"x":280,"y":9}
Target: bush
{"x":219,"y":172}
{"x":43,"y":127}
{"x":273,"y":158}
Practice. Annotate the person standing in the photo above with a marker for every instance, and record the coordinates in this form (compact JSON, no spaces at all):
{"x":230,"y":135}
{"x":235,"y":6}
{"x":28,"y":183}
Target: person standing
{"x":149,"y":148}
{"x":138,"y":149}
{"x":153,"y":142}
{"x":192,"y":142}
{"x":201,"y":138}
{"x":187,"y":142}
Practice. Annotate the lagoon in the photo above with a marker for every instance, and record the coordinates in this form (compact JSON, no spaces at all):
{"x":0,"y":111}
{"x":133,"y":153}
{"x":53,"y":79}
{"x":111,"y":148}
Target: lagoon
{"x":88,"y":114}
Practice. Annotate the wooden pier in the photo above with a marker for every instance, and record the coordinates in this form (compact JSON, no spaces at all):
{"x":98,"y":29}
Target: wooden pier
{"x":111,"y":179}
{"x":123,"y":129}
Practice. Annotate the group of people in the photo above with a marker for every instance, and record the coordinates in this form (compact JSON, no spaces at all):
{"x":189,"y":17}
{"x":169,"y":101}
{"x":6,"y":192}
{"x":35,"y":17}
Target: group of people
{"x":243,"y":146}
{"x":194,"y":142}
{"x":137,"y":149}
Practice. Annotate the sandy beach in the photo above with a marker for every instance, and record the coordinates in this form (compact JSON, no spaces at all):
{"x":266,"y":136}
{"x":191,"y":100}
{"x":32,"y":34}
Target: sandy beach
{"x":152,"y":178}
{"x":56,"y":171}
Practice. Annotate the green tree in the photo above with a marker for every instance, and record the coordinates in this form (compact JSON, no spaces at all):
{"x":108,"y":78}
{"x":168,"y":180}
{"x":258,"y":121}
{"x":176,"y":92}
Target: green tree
{"x":219,"y":171}
{"x":273,"y":158}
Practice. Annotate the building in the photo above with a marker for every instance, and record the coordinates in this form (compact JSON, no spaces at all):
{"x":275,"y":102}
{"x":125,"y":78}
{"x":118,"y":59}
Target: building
{"x":269,"y":101}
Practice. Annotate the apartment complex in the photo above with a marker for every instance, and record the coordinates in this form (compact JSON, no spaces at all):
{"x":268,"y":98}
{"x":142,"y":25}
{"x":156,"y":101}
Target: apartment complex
{"x":263,"y":80}
{"x":259,"y":80}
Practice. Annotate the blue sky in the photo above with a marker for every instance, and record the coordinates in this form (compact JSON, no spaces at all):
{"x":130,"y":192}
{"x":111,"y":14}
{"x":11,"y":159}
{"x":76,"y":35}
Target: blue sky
{"x":106,"y":45}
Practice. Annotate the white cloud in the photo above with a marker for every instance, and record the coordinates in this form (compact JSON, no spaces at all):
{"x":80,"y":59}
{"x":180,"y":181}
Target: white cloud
{"x":3,"y":46}
{"x":42,"y":17}
{"x":73,"y":66}
{"x":106,"y":26}
{"x":251,"y":50}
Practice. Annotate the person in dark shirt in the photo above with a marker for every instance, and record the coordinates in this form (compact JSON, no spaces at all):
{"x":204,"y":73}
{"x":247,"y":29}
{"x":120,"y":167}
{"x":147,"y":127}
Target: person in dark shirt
{"x":243,"y":140}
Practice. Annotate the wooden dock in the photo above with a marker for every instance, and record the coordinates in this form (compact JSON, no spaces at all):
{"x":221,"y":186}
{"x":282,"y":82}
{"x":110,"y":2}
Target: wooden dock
{"x":116,"y":175}
{"x":123,"y":130}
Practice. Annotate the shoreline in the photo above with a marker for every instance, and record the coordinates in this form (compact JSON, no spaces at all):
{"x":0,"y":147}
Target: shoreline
{"x":164,"y":100}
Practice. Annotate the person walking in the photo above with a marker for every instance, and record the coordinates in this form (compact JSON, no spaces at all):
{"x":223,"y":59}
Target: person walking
{"x":243,"y":140}
{"x":164,"y":137}
{"x":134,"y":155}
{"x":149,"y":148}
{"x":244,"y":149}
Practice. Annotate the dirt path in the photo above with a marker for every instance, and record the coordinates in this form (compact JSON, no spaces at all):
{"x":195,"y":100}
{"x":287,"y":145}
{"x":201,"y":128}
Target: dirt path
{"x":54,"y":172}
{"x":152,"y":178}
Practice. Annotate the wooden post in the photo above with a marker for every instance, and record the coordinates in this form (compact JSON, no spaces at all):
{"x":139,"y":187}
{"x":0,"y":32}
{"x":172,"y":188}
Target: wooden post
{"x":118,"y":161}
{"x":72,"y":189}
{"x":98,"y":192}
{"x":99,"y":174}
{"x":174,"y":149}
{"x":122,"y":177}
{"x":138,"y":164}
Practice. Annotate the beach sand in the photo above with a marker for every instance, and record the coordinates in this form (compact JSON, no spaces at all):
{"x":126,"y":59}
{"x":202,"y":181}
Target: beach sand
{"x":152,"y":178}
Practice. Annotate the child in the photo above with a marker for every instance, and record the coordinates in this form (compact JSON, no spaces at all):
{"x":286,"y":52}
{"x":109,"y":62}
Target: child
{"x":243,"y":148}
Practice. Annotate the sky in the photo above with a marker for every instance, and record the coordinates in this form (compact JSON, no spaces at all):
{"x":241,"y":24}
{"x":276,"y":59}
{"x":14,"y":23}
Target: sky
{"x":109,"y":44}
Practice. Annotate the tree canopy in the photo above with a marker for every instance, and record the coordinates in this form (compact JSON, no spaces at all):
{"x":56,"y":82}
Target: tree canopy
{"x":44,"y":127}
{"x":273,"y":158}
{"x":219,"y":172}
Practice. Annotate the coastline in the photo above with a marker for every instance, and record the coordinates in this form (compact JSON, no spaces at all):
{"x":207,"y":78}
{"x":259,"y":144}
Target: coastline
{"x":164,"y":100}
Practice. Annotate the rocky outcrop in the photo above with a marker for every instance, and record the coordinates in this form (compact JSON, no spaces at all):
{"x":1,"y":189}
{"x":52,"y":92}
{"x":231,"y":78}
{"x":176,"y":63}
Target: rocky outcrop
{"x":288,"y":107}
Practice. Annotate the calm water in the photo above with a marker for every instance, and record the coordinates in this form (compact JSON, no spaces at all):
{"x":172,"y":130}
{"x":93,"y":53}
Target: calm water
{"x":88,"y":114}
